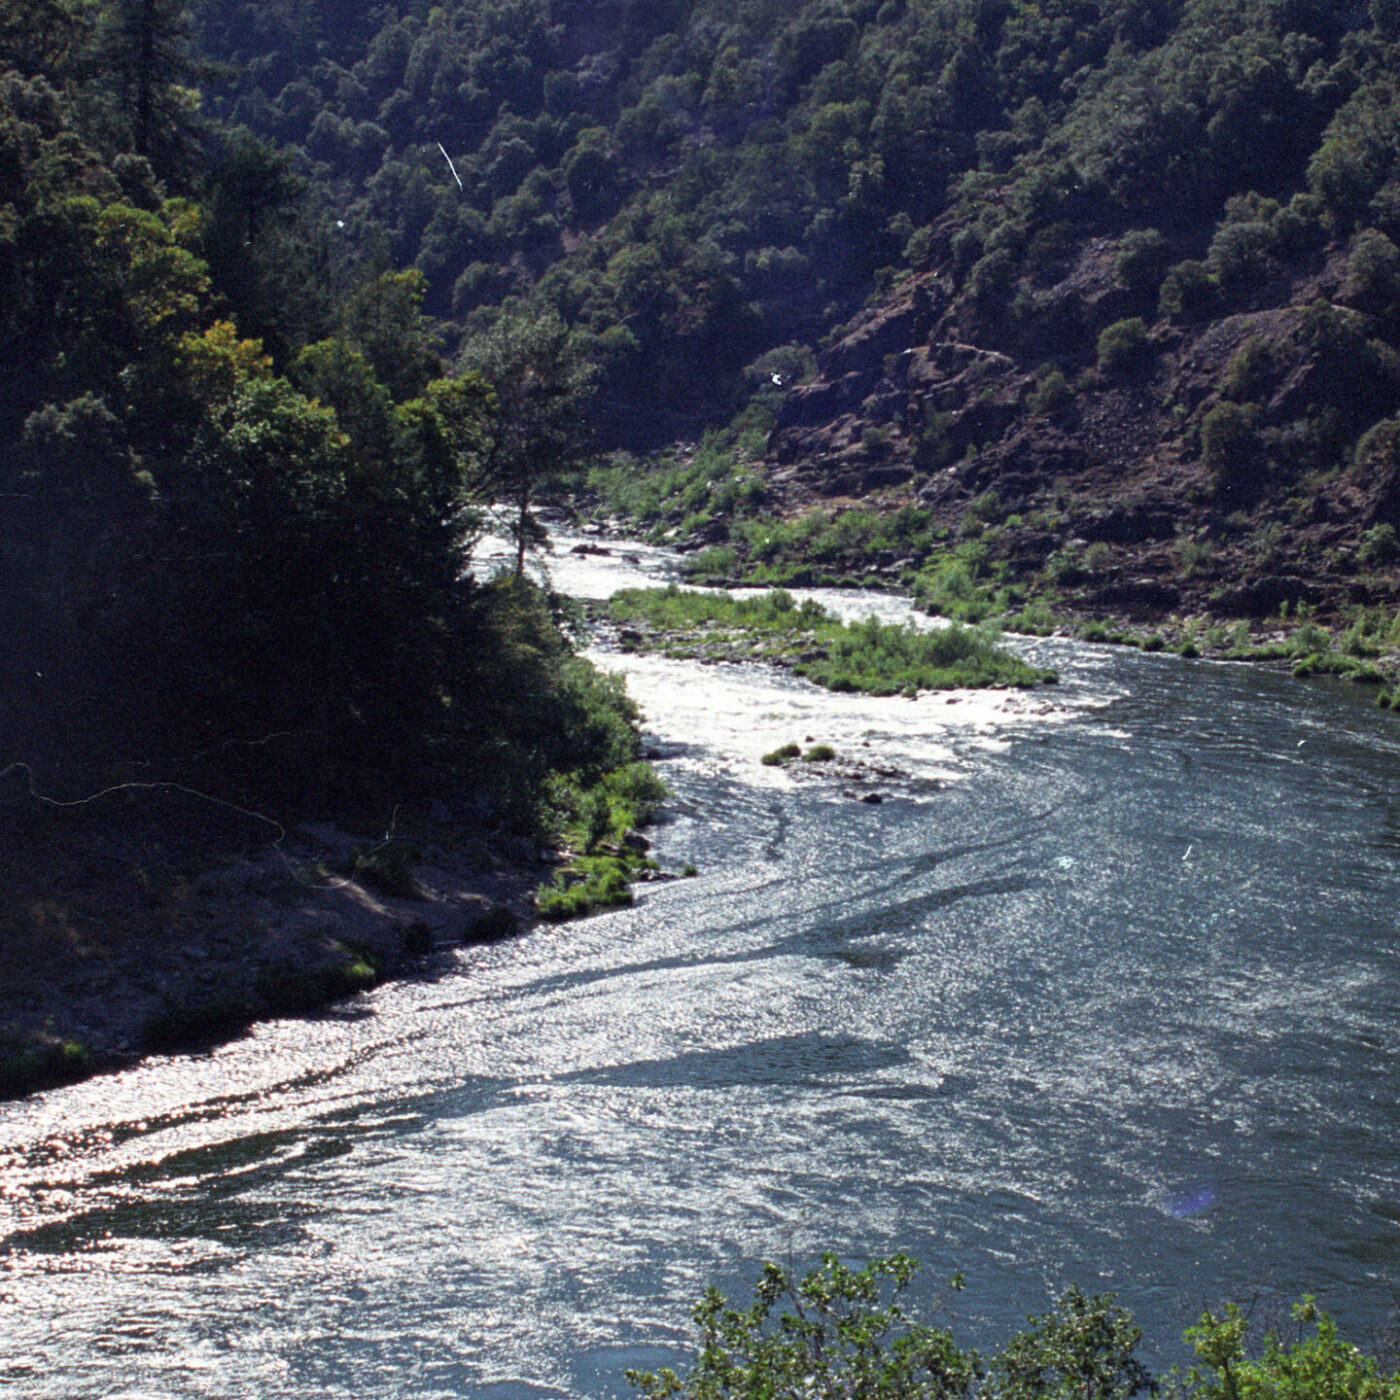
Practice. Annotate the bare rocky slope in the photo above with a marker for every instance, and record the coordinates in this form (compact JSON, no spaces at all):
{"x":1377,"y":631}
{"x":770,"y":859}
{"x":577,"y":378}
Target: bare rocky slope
{"x":1137,"y":486}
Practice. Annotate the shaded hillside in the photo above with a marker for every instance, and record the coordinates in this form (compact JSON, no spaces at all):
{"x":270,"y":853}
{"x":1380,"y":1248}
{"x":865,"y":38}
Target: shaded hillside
{"x":227,"y":561}
{"x":695,"y":182}
{"x":1229,"y":465}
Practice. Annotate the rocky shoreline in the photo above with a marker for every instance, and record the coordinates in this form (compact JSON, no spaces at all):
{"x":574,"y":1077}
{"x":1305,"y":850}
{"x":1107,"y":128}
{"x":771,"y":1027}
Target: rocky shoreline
{"x":149,"y":929}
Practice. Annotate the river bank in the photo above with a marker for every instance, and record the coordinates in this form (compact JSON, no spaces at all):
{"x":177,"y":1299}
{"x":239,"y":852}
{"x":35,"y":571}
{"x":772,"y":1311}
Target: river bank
{"x":149,"y":922}
{"x":1356,"y":644}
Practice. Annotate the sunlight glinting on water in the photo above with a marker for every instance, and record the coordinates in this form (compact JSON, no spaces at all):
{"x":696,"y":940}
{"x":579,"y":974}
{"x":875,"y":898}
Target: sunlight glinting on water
{"x":1105,"y":989}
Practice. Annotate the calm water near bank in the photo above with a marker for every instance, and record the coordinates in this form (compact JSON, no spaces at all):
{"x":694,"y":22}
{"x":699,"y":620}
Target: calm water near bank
{"x":1105,"y":989}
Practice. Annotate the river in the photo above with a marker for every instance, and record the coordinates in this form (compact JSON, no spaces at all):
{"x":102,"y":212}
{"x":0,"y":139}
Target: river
{"x":1104,"y":990}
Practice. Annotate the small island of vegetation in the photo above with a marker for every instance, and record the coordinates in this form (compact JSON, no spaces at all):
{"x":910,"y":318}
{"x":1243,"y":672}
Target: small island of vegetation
{"x":870,"y":656}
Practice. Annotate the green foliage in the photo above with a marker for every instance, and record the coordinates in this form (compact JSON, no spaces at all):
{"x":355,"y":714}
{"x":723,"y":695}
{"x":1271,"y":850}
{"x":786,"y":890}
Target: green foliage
{"x":1125,"y":348}
{"x":885,"y":659}
{"x":837,"y":1335}
{"x":1189,"y":291}
{"x":874,"y":657}
{"x":1249,"y":374}
{"x":1084,"y":1347}
{"x":1379,"y":545}
{"x":959,"y":584}
{"x":597,"y":815}
{"x":1052,"y":393}
{"x":541,"y":383}
{"x":694,"y":187}
{"x":586,"y":885}
{"x":785,"y":753}
{"x":35,"y":1062}
{"x":1142,"y":261}
{"x":717,"y":562}
{"x":1373,"y":274}
{"x":238,"y":474}
{"x":1230,"y":450}
{"x":842,"y":1332}
{"x":1318,"y":1367}
{"x":775,"y":611}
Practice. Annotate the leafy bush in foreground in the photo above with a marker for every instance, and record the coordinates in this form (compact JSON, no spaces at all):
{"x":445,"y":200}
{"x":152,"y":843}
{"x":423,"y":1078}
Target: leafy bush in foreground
{"x":840,"y":1334}
{"x":837,"y":1338}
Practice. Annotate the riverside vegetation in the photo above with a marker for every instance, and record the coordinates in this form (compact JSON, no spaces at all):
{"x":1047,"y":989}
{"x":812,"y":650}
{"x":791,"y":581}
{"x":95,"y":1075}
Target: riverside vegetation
{"x":872,"y":657}
{"x":841,"y":1332}
{"x":231,"y":551}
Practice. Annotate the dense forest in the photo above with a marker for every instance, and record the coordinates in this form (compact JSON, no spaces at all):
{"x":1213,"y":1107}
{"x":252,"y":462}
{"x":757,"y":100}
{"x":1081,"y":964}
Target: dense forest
{"x":237,"y":476}
{"x":1101,"y":294}
{"x":1088,"y":300}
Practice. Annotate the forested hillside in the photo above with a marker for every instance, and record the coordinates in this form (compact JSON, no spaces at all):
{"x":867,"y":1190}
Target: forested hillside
{"x":235,"y":475}
{"x":1094,"y":301}
{"x":1077,"y":273}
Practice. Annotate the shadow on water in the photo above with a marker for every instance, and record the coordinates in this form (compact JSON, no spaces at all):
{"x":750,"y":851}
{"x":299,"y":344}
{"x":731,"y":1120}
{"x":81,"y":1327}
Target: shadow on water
{"x":785,"y":1062}
{"x":1118,"y":1005}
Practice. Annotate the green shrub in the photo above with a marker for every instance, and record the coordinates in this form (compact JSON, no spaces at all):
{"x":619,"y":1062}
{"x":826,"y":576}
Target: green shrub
{"x":1125,"y":348}
{"x":1319,"y":1367}
{"x":840,"y":1332}
{"x":881,"y":658}
{"x":1230,"y":450}
{"x":718,"y":561}
{"x":34,"y":1062}
{"x":1142,"y":261}
{"x":1085,"y":1346}
{"x":1379,"y":545}
{"x":1373,"y":274}
{"x":1190,"y":292}
{"x":782,"y":755}
{"x":819,"y":753}
{"x":585,"y":885}
{"x":1052,"y":392}
{"x":1249,"y":372}
{"x":837,"y":1335}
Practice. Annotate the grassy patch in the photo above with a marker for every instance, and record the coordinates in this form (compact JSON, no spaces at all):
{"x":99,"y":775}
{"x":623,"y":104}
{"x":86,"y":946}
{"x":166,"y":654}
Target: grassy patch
{"x":34,"y":1062}
{"x":585,"y":885}
{"x":598,"y":816}
{"x":873,"y":657}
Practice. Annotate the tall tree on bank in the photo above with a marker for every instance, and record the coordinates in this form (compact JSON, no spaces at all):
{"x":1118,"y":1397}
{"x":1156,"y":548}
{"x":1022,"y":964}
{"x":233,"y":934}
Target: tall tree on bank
{"x":145,"y":52}
{"x":542,"y":384}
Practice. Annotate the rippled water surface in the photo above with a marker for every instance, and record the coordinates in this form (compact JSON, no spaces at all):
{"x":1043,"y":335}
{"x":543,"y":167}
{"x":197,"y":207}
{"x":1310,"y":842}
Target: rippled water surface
{"x":1104,"y":990}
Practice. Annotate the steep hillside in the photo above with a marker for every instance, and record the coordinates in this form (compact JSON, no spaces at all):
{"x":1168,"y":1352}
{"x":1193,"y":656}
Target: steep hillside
{"x":1108,"y":289}
{"x":1228,"y":466}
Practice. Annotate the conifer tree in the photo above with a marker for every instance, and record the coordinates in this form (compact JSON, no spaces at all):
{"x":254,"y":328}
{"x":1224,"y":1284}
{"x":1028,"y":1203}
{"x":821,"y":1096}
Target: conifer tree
{"x":145,"y":51}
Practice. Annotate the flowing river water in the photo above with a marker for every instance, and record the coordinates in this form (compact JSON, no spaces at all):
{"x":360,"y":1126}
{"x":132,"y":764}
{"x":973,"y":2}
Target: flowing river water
{"x":1105,"y":990}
